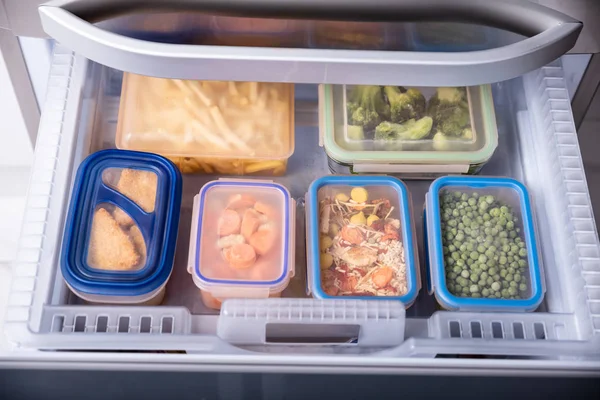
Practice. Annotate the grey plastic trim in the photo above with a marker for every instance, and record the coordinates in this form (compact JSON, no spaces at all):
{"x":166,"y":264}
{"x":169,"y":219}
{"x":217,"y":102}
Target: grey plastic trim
{"x":552,"y":34}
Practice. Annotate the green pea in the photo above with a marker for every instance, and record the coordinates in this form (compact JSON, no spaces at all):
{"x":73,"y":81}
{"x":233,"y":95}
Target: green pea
{"x":523,"y":287}
{"x":503,"y":273}
{"x":511,"y":270}
{"x":510,"y":225}
{"x":512,"y":291}
{"x":523,"y":252}
{"x":483,"y":258}
{"x":457,"y":269}
{"x":474,"y":289}
{"x":474,"y":278}
{"x":452,"y":275}
{"x":472,"y":201}
{"x":485,"y":292}
{"x":502,"y":260}
{"x":492,"y":271}
{"x":465,"y":273}
{"x":474,"y":255}
{"x":509,"y":277}
{"x":489,"y":280}
{"x":512,"y":234}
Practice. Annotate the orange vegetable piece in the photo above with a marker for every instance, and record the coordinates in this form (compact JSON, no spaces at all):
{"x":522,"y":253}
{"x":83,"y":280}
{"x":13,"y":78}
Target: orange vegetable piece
{"x":382,"y":277}
{"x":242,"y":256}
{"x":265,"y":209}
{"x":241,"y":201}
{"x":262,"y":241}
{"x":250,"y":223}
{"x":226,"y":253}
{"x":229,"y":223}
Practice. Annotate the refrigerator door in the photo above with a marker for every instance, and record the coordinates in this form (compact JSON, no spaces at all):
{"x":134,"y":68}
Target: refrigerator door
{"x":549,"y":34}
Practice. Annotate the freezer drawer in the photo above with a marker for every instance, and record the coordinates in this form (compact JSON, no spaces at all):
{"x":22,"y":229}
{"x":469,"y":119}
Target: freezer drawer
{"x":546,"y":35}
{"x":538,"y":145}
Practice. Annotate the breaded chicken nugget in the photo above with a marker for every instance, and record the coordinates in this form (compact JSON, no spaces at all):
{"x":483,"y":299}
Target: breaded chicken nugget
{"x":110,"y":248}
{"x":140,"y":187}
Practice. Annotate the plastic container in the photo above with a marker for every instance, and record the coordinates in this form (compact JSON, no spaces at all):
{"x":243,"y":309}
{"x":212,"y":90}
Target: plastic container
{"x":433,"y":140}
{"x":242,"y":240}
{"x":263,"y":32}
{"x":508,"y":203}
{"x":227,"y":128}
{"x":121,"y":229}
{"x":382,"y":251}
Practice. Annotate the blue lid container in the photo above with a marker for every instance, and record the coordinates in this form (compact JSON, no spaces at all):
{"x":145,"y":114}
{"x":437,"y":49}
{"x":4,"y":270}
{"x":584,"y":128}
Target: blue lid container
{"x":481,"y":245}
{"x":361,"y":239}
{"x":121,"y":228}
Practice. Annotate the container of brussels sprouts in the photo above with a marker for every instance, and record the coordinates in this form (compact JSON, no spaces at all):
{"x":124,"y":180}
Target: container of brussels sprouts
{"x":412,"y":132}
{"x":481,"y":245}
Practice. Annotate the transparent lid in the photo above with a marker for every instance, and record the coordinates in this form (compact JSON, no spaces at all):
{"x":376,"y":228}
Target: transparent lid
{"x":123,"y":215}
{"x":361,"y":239}
{"x":393,"y":124}
{"x":206,"y":118}
{"x":243,"y":237}
{"x":483,"y":251}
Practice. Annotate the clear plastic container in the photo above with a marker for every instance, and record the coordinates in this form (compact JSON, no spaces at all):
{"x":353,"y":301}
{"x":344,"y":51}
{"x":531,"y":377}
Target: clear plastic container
{"x":121,"y":229}
{"x":226,"y":128}
{"x":415,"y":132}
{"x":263,"y":32}
{"x":482,"y":249}
{"x":361,"y":240}
{"x":242,"y":240}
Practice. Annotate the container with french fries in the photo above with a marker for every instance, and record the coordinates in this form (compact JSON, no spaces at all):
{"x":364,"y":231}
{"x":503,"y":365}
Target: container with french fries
{"x":211,"y":127}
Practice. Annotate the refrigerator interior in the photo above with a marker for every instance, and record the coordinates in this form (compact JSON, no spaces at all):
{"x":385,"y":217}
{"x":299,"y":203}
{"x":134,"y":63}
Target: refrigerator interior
{"x":537,"y":145}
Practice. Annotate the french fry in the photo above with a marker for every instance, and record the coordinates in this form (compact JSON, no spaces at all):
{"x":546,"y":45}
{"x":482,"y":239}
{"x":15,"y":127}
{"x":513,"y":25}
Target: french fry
{"x":262,"y":166}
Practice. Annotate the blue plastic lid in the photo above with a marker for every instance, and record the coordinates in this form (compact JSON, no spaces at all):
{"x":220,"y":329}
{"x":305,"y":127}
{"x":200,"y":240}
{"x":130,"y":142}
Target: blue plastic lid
{"x":510,"y":192}
{"x":121,"y":228}
{"x":375,"y":186}
{"x":261,"y":210}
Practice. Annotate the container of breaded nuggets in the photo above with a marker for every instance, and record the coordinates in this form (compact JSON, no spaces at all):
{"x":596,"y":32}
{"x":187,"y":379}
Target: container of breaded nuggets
{"x":121,"y":228}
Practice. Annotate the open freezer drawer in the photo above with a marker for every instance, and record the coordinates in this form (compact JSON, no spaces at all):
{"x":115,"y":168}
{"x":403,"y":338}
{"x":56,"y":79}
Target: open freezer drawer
{"x":538,"y":145}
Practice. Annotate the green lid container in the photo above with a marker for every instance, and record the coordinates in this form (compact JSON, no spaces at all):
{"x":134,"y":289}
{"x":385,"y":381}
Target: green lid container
{"x":462,"y":138}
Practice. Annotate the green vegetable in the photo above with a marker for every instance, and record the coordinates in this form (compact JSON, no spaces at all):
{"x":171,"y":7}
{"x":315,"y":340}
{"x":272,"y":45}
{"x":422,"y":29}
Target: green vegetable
{"x":356,"y":132}
{"x":485,"y":253}
{"x":410,"y":130}
{"x":405,"y":104}
{"x":366,"y":106}
{"x":449,"y":109}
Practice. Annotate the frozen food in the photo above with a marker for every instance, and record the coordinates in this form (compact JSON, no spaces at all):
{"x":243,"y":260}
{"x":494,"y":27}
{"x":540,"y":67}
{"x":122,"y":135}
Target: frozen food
{"x":110,"y":247}
{"x":394,"y":115}
{"x":140,"y":187}
{"x":362,"y":253}
{"x":213,"y":127}
{"x":247,"y":231}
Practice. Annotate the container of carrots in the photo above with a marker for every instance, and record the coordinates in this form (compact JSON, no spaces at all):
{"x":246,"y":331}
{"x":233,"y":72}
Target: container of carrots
{"x":210,"y":127}
{"x":242,"y":240}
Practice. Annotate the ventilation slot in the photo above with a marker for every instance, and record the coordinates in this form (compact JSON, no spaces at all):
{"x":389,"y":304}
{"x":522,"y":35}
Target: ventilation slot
{"x":123,"y":325}
{"x":145,"y":324}
{"x":476,"y":330}
{"x":102,"y":324}
{"x":539,"y":331}
{"x":455,"y":329}
{"x":518,"y":330}
{"x":497,"y":331}
{"x":58,"y":323}
{"x":80,"y":323}
{"x":166,"y":325}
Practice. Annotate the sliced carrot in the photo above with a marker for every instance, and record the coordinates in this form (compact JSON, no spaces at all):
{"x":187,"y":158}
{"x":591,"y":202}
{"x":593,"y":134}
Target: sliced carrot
{"x":229,"y":223}
{"x":226,"y":253}
{"x":241,"y":201}
{"x":242,"y":256}
{"x":265,"y":209}
{"x":250,"y":223}
{"x":262,"y":241}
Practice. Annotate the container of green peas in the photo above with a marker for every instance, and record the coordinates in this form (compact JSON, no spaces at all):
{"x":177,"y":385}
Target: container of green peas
{"x":481,"y":245}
